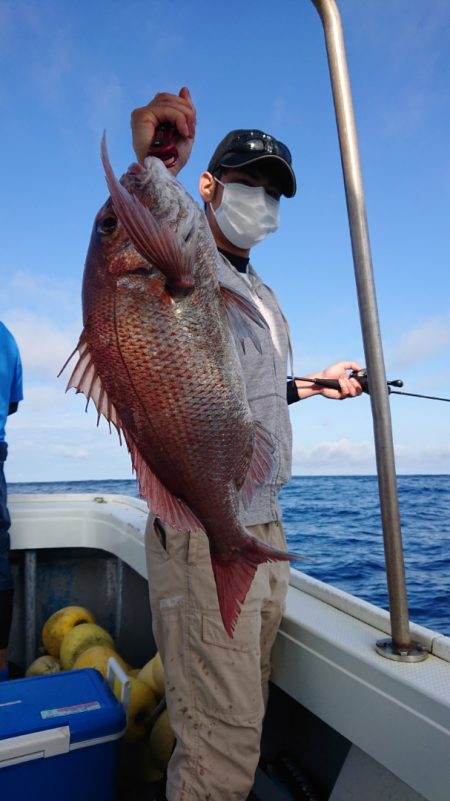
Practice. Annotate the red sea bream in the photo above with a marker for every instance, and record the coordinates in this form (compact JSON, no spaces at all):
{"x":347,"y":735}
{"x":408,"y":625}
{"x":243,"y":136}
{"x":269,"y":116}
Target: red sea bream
{"x":158,"y":357}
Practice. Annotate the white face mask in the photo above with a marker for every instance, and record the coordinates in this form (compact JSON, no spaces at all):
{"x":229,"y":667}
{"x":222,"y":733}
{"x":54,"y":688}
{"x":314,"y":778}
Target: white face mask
{"x":247,"y":214}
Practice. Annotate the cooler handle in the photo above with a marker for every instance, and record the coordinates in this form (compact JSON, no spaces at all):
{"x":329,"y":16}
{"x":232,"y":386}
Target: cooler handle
{"x":115,"y":671}
{"x":37,"y":745}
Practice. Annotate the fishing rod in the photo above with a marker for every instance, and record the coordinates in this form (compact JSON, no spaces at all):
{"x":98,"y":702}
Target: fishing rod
{"x":362,"y":379}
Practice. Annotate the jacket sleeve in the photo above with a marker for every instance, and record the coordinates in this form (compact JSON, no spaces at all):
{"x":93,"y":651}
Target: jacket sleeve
{"x":292,"y":395}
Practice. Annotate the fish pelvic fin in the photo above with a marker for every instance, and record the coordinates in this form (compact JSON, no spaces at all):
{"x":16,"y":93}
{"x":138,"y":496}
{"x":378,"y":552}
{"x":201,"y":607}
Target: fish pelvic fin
{"x":234,"y":577}
{"x":240,"y":311}
{"x":85,"y":379}
{"x":261,"y":464}
{"x":158,"y":244}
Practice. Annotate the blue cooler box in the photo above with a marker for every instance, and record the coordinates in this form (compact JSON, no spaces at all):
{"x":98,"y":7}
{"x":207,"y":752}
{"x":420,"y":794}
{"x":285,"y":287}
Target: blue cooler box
{"x":59,"y":734}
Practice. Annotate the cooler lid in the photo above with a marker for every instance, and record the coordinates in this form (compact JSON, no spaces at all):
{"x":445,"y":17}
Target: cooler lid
{"x":78,"y":699}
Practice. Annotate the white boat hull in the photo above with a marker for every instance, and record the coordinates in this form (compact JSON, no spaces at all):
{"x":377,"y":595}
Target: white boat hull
{"x":394,"y":715}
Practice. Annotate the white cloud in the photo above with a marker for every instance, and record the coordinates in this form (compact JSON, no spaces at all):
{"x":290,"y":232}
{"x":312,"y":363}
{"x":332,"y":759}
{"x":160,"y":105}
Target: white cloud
{"x":425,"y":457}
{"x":70,"y":453}
{"x":338,"y":456}
{"x":43,"y":344}
{"x":344,"y":457}
{"x":29,"y":285}
{"x":28,"y":289}
{"x":70,"y":448}
{"x":421,"y":342}
{"x":45,"y":396}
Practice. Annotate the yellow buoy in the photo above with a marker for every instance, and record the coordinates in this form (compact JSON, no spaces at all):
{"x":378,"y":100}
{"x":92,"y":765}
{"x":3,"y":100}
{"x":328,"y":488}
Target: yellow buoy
{"x":43,"y":665}
{"x":142,"y":703}
{"x":97,"y":657}
{"x":156,"y":750}
{"x":161,"y":741}
{"x":60,"y":623}
{"x":81,"y":638}
{"x":152,"y":674}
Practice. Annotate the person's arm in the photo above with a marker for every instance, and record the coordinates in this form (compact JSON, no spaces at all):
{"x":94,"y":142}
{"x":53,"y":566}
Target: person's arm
{"x":349,"y":387}
{"x":13,"y":407}
{"x":178,"y":110}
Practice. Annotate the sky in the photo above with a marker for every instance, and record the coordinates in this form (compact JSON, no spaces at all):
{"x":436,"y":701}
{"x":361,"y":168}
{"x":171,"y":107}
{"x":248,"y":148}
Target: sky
{"x":69,"y":70}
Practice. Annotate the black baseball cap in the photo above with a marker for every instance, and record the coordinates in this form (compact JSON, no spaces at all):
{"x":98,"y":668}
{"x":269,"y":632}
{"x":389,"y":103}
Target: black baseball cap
{"x":242,"y":147}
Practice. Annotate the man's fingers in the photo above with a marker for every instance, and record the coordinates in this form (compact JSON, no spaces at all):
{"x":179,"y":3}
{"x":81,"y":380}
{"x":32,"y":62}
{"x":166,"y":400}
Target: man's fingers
{"x":191,"y":113}
{"x":143,"y":126}
{"x":349,"y":386}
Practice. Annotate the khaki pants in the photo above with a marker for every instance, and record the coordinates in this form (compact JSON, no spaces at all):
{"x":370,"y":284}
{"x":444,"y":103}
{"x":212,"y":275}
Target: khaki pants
{"x":216,"y":687}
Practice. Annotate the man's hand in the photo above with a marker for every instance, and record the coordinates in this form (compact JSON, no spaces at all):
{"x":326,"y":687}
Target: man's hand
{"x":178,"y":110}
{"x":349,"y":387}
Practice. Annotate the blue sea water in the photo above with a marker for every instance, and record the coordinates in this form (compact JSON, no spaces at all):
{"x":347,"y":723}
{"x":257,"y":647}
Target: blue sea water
{"x":334,"y":521}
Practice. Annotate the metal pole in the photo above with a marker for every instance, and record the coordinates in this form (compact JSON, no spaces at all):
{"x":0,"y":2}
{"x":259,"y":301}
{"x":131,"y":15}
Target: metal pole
{"x":401,"y":646}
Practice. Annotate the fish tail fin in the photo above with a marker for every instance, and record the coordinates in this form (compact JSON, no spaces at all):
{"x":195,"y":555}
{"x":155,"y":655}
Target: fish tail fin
{"x":234,"y":576}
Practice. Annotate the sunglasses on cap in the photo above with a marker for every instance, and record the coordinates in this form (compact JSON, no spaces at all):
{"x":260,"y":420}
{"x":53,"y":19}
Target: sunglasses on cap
{"x":258,"y":143}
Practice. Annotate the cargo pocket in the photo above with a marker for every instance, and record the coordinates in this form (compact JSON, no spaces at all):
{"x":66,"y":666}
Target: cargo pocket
{"x":166,"y":552}
{"x":155,"y":540}
{"x":166,"y":542}
{"x":227,"y":677}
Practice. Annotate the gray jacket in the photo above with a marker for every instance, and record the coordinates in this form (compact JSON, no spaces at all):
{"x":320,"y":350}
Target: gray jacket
{"x":265,"y":378}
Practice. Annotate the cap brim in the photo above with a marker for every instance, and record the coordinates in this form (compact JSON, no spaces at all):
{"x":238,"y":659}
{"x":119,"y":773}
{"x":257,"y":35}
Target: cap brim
{"x":287,"y":183}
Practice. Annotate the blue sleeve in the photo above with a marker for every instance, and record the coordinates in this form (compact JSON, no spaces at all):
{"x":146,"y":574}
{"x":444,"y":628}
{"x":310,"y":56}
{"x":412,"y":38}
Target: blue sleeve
{"x":16,"y":393}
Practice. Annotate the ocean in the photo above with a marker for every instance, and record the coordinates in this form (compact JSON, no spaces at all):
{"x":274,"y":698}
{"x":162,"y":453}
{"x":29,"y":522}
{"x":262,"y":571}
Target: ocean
{"x":334,"y":522}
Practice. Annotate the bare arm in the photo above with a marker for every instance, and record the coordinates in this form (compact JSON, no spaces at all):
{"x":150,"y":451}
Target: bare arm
{"x":349,"y":387}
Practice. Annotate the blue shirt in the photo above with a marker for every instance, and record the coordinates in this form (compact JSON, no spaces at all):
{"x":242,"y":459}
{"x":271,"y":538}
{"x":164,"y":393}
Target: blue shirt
{"x":10,"y":376}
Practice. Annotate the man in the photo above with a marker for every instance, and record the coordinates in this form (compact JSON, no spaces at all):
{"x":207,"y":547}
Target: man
{"x":216,"y":687}
{"x":10,"y":395}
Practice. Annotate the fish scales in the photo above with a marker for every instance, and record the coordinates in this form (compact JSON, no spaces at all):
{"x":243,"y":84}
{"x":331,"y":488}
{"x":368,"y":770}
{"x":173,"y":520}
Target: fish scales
{"x":159,"y":360}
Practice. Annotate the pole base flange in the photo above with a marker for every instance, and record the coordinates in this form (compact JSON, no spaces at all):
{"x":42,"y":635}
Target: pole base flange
{"x":414,"y":652}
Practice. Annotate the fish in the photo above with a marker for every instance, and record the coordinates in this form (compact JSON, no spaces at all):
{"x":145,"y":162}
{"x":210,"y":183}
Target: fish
{"x":158,"y":357}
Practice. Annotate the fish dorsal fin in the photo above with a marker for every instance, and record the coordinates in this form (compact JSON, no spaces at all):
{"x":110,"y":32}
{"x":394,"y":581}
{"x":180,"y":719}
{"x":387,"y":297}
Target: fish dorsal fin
{"x":239,"y":311}
{"x":261,"y":463}
{"x":85,"y":379}
{"x":158,"y":244}
{"x":163,"y":504}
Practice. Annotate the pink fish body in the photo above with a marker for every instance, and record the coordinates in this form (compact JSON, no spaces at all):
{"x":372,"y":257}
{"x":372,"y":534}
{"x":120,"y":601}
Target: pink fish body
{"x":158,"y":359}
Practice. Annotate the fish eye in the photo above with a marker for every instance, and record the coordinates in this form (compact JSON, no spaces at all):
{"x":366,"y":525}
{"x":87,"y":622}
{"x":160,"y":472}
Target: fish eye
{"x":107,"y":226}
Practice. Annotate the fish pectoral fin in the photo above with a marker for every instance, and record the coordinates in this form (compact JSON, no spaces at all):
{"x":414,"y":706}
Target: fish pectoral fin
{"x":240,"y":310}
{"x":261,"y":464}
{"x":234,"y":576}
{"x":160,"y":500}
{"x":85,"y":379}
{"x":158,"y":244}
